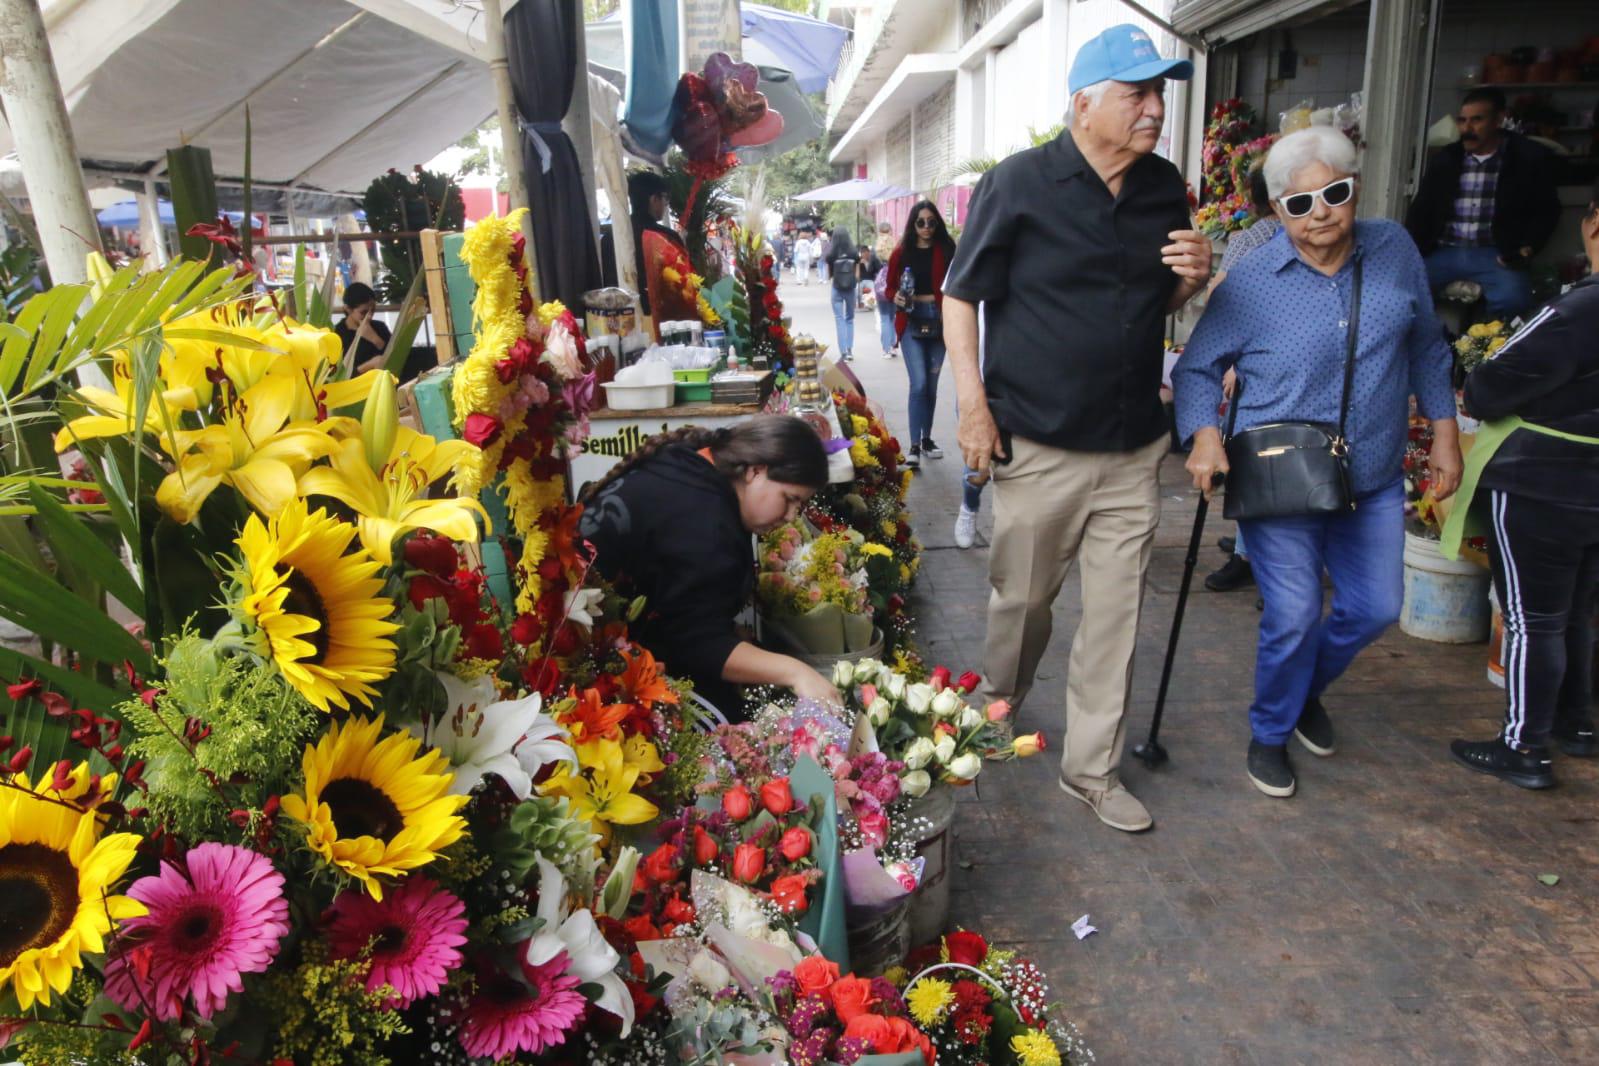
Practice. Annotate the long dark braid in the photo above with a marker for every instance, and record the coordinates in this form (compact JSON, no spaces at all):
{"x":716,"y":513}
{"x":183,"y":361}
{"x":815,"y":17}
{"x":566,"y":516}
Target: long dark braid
{"x":789,"y":449}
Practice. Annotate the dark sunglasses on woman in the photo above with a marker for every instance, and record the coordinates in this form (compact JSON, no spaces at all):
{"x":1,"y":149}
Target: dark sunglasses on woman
{"x":1334,"y":194}
{"x":924,"y":223}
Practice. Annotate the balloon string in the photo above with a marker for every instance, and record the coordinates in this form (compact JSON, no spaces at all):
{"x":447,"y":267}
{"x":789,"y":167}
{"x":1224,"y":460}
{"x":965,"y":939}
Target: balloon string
{"x":688,"y":206}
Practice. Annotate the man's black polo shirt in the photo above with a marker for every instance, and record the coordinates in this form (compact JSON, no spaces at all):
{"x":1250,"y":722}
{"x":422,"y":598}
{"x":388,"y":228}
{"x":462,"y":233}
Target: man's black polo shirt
{"x":1076,"y":295}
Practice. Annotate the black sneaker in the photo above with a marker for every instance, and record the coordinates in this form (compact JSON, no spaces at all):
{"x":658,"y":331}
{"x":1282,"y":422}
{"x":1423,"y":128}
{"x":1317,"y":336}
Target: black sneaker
{"x":931,"y":450}
{"x":914,"y":459}
{"x":1575,"y":737}
{"x":1235,"y":573}
{"x":1529,"y":769}
{"x":1314,"y":729}
{"x":1227,"y":545}
{"x":1269,"y":769}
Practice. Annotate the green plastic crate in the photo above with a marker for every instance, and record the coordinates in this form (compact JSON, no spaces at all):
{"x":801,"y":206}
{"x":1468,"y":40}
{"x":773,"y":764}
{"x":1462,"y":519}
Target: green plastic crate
{"x":693,"y":392}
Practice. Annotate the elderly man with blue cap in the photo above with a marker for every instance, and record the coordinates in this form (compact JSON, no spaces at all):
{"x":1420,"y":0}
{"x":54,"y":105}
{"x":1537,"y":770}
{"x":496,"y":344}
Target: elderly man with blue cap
{"x":1077,"y":250}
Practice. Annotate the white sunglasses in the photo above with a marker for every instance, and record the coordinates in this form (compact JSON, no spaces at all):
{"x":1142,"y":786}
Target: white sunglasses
{"x":1334,"y":194}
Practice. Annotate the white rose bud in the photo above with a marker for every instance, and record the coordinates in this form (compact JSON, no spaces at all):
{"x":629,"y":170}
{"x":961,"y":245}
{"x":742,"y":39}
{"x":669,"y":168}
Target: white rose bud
{"x":709,"y":973}
{"x":865,"y":671}
{"x":916,"y":783}
{"x":944,"y":748}
{"x":919,"y":697}
{"x":970,"y":718}
{"x":879,"y":710}
{"x":843,"y":674}
{"x":895,"y":687}
{"x":918,"y":753}
{"x":965,"y":766}
{"x":947,"y":704}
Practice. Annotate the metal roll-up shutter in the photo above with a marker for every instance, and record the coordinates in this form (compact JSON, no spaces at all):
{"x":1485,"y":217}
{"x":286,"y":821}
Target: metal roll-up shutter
{"x":1219,"y":21}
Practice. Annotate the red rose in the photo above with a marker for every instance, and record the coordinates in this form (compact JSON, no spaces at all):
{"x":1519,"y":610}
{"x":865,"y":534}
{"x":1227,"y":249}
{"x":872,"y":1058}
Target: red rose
{"x":777,"y":797}
{"x":483,"y":642}
{"x":738,"y":803}
{"x":966,"y":948}
{"x":969,"y":681}
{"x":660,"y":866}
{"x":434,"y":554}
{"x":940,"y":678}
{"x":481,"y":429}
{"x":796,"y":844}
{"x":526,"y":630}
{"x":788,"y":892}
{"x":566,"y":640}
{"x":678,"y":910}
{"x":852,"y":997}
{"x":425,"y":587}
{"x":874,"y":1030}
{"x":705,"y":847}
{"x":641,"y":928}
{"x":749,"y":862}
{"x":815,"y":975}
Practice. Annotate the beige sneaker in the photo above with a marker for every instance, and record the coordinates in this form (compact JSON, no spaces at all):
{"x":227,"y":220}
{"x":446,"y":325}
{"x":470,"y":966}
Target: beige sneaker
{"x":1115,"y":806}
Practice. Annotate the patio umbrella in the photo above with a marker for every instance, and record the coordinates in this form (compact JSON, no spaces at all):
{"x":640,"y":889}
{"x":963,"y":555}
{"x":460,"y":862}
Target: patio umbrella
{"x":856,"y":189}
{"x":807,"y":46}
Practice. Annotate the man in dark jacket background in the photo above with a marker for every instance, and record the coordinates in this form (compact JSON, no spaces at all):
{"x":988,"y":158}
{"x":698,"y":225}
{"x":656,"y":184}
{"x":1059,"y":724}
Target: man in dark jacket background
{"x":1486,"y":205}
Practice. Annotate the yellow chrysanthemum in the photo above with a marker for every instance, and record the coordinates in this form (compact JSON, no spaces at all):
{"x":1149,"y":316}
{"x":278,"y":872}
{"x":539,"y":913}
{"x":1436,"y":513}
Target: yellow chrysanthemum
{"x":372,"y":807}
{"x":929,"y":999}
{"x":319,"y":609}
{"x":890,"y":530}
{"x":549,"y":311}
{"x":1035,"y":1048}
{"x":56,"y":874}
{"x":874,"y":548}
{"x":861,"y":455}
{"x":601,"y":789}
{"x":388,"y":502}
{"x":859,"y":425}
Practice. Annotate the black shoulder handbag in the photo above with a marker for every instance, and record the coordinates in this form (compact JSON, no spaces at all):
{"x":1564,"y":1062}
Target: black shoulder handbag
{"x":1283,"y":469}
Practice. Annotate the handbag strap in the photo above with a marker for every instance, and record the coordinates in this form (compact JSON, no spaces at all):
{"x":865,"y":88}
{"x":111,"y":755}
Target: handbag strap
{"x":1352,"y":342}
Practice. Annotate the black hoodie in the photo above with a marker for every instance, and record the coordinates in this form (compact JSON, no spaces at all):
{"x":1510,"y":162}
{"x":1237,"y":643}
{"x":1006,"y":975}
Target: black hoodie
{"x":669,"y":530}
{"x":1548,"y":373}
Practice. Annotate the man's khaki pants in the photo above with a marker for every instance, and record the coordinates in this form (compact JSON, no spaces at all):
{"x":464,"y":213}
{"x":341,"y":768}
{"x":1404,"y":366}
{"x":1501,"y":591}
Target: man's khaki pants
{"x":1052,"y":507}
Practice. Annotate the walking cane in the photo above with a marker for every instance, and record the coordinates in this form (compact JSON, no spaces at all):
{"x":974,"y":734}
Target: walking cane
{"x":1150,"y":751}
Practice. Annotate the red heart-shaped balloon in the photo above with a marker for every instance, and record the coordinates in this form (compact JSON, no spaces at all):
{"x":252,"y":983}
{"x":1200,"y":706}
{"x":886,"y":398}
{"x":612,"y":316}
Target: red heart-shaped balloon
{"x":698,"y":131}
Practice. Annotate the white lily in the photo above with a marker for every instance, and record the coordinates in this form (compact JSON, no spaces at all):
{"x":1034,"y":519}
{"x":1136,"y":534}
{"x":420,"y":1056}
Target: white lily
{"x":482,"y":735}
{"x":591,"y":958}
{"x":582,"y":605}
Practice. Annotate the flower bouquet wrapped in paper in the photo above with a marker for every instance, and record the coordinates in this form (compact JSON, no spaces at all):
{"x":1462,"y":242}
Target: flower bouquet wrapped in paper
{"x":814,"y":589}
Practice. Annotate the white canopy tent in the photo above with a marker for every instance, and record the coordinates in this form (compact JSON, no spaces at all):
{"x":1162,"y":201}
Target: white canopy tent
{"x":338,"y":90}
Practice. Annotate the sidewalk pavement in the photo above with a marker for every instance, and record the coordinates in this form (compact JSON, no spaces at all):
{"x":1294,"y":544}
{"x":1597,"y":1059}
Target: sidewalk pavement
{"x":1391,"y":912}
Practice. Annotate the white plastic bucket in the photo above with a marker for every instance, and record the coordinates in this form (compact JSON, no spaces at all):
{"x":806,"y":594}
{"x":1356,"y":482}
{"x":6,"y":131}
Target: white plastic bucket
{"x":1446,"y":600}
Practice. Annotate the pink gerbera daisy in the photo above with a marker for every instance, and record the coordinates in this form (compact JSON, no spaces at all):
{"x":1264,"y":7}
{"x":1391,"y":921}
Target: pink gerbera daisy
{"x":414,"y":932}
{"x":507,"y":1015}
{"x":214,"y":916}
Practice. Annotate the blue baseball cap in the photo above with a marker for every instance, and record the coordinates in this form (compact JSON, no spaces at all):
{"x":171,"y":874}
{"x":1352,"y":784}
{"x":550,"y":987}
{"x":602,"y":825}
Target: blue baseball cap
{"x":1123,"y":53}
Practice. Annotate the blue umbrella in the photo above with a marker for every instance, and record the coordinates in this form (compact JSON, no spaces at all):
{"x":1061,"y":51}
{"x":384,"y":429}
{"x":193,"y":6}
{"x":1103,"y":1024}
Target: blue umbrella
{"x":126,"y":213}
{"x":806,"y":46}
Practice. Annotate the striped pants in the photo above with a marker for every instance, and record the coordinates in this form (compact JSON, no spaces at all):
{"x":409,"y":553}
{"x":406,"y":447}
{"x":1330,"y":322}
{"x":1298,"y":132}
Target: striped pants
{"x":1546,"y":572}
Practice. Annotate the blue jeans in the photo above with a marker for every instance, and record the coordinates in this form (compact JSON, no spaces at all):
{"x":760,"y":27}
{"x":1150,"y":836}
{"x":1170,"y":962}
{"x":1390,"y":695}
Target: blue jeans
{"x":1238,"y":543}
{"x":885,"y":324}
{"x":844,"y":318}
{"x":923,"y":361}
{"x":1507,"y":291}
{"x":1300,"y":653}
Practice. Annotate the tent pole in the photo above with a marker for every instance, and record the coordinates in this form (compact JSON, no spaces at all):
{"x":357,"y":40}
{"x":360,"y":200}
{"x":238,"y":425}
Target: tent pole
{"x":37,"y":115}
{"x":577,"y":125}
{"x":152,"y":234}
{"x":510,"y":132}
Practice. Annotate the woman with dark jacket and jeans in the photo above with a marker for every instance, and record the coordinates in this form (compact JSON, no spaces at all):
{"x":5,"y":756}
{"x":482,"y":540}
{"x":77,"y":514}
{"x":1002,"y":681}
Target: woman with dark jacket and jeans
{"x":1535,"y":470}
{"x":672,"y":523}
{"x":926,"y":249}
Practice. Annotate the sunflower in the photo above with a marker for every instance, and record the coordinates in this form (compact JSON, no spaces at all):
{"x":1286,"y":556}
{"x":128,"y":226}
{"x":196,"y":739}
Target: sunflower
{"x":56,"y":872}
{"x":319,"y":609}
{"x":371,"y":807}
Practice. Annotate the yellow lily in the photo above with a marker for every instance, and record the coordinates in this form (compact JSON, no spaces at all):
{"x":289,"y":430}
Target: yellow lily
{"x":254,"y":448}
{"x":388,"y":501}
{"x":602,"y":790}
{"x":641,"y":754}
{"x":182,"y":386}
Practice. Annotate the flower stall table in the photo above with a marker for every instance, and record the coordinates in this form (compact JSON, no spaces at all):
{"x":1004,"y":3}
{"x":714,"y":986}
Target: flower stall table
{"x":616,"y":434}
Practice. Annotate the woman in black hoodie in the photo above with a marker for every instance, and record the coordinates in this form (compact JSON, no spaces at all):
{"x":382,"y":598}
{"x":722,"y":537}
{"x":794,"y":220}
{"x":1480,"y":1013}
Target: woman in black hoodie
{"x":1536,"y":459}
{"x":672,"y":523}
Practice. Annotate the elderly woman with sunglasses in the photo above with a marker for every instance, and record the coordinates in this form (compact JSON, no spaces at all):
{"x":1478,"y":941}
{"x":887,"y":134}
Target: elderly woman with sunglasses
{"x":1282,"y":320}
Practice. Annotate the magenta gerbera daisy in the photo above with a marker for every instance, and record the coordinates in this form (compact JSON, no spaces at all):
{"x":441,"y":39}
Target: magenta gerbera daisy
{"x":215,"y":915}
{"x":415,"y":932}
{"x":507,"y":1015}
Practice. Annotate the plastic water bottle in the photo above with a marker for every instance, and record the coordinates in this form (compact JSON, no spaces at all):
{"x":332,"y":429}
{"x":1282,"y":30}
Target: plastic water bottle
{"x":907,"y":282}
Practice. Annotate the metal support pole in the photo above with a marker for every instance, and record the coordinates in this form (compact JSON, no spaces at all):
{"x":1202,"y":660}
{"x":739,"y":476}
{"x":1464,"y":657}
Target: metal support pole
{"x":510,"y":132}
{"x":37,"y":115}
{"x":577,"y":125}
{"x":152,"y":234}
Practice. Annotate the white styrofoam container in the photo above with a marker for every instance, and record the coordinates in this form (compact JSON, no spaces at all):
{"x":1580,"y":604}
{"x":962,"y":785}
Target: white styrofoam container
{"x":619,"y":397}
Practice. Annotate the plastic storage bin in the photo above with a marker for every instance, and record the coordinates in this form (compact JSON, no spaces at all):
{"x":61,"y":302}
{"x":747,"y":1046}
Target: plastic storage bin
{"x":620,"y":397}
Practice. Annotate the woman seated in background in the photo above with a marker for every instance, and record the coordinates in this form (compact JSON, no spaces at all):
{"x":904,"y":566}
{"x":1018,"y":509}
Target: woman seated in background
{"x":672,"y":523}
